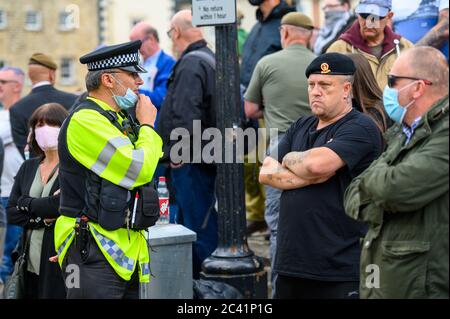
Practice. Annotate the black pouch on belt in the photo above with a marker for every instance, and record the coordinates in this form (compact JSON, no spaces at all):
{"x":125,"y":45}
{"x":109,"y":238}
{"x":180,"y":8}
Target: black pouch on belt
{"x":144,"y":207}
{"x":113,"y":206}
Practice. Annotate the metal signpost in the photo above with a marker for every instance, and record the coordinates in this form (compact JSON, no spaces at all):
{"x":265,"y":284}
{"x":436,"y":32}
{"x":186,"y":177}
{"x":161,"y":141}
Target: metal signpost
{"x":232,"y":262}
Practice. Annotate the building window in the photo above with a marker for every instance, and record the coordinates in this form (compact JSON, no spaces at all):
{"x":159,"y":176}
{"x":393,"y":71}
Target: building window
{"x":69,"y":18}
{"x":33,"y":20}
{"x":182,"y":4}
{"x":3,"y":21}
{"x":67,"y":71}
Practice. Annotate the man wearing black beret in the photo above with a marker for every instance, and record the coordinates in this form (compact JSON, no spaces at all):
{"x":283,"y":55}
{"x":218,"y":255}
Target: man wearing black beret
{"x":318,"y":245}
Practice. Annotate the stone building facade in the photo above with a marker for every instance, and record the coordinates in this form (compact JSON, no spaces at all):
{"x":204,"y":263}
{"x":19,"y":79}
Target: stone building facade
{"x":63,"y":29}
{"x":67,"y":29}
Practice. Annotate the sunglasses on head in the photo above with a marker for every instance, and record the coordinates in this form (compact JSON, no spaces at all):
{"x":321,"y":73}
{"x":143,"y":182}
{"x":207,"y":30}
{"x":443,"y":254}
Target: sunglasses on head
{"x":392,"y":79}
{"x":369,"y":15}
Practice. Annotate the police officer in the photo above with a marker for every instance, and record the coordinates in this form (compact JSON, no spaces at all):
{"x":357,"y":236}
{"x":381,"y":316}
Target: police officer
{"x":103,"y":157}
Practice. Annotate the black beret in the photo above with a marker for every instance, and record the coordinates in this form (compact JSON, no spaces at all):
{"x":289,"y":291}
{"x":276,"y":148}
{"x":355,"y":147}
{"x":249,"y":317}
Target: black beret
{"x":331,"y":64}
{"x":122,"y":56}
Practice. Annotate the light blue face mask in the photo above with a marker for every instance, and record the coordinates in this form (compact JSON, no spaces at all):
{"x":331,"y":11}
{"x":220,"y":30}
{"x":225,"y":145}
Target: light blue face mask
{"x":127,"y":101}
{"x":393,"y":108}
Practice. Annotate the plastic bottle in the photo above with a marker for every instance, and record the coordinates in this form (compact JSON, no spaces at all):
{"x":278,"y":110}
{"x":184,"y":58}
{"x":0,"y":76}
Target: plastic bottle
{"x":163,"y":194}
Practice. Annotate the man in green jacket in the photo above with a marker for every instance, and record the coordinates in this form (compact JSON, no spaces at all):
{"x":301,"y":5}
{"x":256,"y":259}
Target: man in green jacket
{"x":404,"y":195}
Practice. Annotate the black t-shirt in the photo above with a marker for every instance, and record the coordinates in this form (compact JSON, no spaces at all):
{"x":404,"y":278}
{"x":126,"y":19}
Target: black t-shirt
{"x":316,"y":239}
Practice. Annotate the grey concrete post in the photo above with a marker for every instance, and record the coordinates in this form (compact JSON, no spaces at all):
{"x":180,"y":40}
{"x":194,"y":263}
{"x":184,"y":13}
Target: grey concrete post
{"x":170,"y":263}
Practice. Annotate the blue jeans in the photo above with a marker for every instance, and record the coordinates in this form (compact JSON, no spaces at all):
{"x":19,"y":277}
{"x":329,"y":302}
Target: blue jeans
{"x":271,"y":216}
{"x":272,"y":213}
{"x":2,"y":233}
{"x":13,"y":234}
{"x":194,"y":190}
{"x":2,"y":215}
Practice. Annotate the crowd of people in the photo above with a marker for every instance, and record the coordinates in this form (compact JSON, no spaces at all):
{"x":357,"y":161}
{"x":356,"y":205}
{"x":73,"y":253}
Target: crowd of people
{"x":353,"y":189}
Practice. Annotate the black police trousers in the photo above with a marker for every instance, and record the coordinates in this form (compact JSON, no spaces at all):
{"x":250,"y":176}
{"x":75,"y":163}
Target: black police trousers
{"x":89,"y":275}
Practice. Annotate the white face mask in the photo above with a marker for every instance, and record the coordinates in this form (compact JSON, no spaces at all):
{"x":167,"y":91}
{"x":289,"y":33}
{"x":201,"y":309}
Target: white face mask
{"x":47,"y":137}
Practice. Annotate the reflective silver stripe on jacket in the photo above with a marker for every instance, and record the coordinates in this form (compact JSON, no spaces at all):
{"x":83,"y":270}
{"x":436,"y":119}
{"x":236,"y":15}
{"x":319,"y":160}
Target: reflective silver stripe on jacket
{"x":64,"y":244}
{"x":137,"y":161}
{"x":107,"y":153}
{"x":134,"y":169}
{"x":114,"y":251}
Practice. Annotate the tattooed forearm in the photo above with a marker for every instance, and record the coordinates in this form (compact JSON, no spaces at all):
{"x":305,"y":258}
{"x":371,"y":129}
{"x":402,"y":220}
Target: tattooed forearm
{"x":438,"y":35}
{"x":295,"y":158}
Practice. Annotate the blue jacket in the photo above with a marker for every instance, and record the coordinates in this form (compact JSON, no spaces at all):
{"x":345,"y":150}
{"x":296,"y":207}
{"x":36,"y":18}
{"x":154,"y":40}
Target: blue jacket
{"x":164,"y":65}
{"x":2,"y":156}
{"x":264,"y":39}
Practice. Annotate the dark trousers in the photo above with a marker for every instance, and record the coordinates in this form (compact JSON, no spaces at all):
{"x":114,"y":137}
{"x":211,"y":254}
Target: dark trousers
{"x":194,"y":186}
{"x":31,"y":285}
{"x":97,"y":279}
{"x":300,"y":288}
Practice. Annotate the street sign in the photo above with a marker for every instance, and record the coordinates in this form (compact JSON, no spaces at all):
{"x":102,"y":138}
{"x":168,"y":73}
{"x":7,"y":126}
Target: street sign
{"x":213,"y":12}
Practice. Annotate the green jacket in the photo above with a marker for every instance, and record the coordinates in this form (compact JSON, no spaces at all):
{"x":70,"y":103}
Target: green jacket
{"x":403,"y":196}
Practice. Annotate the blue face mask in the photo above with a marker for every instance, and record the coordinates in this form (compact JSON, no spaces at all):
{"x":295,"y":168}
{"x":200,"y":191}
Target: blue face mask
{"x":393,"y":108}
{"x":127,"y":101}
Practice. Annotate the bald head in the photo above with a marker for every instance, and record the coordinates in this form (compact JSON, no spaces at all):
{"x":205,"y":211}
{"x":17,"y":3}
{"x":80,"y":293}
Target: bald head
{"x":141,"y":30}
{"x":38,"y":73}
{"x":290,"y":35}
{"x":183,"y":20}
{"x":412,"y":68}
{"x":183,"y":32}
{"x":427,"y":63}
{"x":149,"y":37}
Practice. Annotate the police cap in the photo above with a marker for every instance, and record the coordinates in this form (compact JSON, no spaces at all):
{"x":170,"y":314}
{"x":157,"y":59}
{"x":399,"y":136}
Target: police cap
{"x":331,"y":64}
{"x":123,"y":56}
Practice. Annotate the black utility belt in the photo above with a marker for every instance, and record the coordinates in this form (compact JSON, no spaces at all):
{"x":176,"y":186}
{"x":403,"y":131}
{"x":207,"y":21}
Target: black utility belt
{"x":89,"y":218}
{"x":114,"y":207}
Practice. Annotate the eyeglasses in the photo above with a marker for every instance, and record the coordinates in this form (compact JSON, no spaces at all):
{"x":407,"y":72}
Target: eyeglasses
{"x":3,"y":82}
{"x":392,"y":79}
{"x":365,"y":16}
{"x":169,"y":33}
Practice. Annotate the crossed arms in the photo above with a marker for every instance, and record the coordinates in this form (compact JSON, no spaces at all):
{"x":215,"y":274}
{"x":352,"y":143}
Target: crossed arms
{"x":300,"y":169}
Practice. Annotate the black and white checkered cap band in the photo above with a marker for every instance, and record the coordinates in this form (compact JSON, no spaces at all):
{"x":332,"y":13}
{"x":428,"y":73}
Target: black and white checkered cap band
{"x":115,"y":62}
